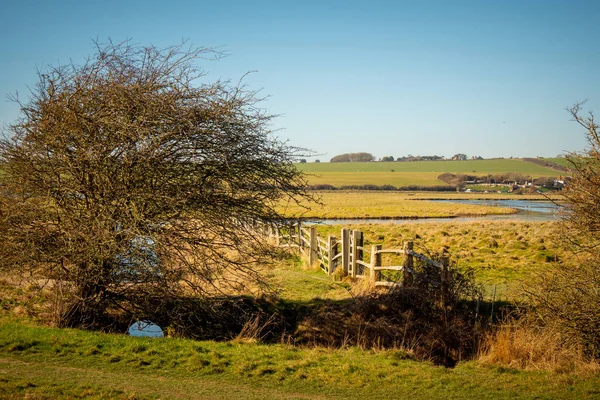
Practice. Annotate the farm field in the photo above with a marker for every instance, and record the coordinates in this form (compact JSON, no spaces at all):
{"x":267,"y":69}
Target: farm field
{"x":420,"y":173}
{"x":41,"y":362}
{"x":559,"y":160}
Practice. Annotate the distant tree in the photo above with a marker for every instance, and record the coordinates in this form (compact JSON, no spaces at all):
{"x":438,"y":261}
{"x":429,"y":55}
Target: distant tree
{"x":317,"y":161}
{"x":410,"y":157}
{"x":130,"y":183}
{"x":459,"y":157}
{"x":303,"y":161}
{"x":353,"y":157}
{"x":387,"y":159}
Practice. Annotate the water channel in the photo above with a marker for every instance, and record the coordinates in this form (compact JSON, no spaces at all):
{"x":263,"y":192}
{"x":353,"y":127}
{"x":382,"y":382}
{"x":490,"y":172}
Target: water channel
{"x":527,"y":210}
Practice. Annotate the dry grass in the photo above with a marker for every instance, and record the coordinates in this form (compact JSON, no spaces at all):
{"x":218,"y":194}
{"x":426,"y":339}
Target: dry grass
{"x":384,"y":205}
{"x":502,"y":252}
{"x":525,"y":347}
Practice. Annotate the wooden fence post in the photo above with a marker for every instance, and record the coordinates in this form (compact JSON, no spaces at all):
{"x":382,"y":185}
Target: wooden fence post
{"x":277,"y":237}
{"x":407,"y":277}
{"x":300,"y":242}
{"x":345,"y":249}
{"x":314,"y":246}
{"x":331,"y":251}
{"x":357,"y":239}
{"x":445,"y":277}
{"x":375,"y":262}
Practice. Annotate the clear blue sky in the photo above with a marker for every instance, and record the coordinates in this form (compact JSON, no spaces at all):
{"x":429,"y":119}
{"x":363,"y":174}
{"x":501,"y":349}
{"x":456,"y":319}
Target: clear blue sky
{"x":489,"y":78}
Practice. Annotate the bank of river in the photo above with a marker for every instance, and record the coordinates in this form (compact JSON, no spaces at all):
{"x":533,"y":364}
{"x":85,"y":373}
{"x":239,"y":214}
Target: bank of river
{"x":527,"y":210}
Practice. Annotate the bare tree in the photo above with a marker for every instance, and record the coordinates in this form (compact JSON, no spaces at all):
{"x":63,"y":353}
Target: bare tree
{"x":129,"y":177}
{"x":569,"y":297}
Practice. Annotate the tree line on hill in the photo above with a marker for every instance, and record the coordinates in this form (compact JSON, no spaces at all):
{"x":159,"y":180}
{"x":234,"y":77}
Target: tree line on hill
{"x":368,"y":157}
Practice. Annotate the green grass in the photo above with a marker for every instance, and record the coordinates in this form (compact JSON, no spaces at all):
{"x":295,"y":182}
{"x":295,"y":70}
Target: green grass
{"x":297,"y":282}
{"x":40,"y":362}
{"x":422,"y":173}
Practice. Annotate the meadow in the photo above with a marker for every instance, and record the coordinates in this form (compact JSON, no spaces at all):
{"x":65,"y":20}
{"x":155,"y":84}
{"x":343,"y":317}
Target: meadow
{"x":503,"y":254}
{"x":386,"y":204}
{"x":419,"y":173}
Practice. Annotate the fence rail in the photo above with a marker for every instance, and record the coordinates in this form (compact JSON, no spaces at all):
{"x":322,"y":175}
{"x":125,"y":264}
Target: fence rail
{"x":351,"y":257}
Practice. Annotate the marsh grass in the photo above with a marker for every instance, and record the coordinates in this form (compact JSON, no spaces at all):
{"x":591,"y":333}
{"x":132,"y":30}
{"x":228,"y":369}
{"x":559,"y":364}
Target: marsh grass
{"x":367,"y":204}
{"x":503,"y":253}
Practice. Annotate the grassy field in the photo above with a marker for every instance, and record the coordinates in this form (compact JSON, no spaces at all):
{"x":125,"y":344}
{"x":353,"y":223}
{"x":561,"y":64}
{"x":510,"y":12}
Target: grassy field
{"x":384,"y":204}
{"x":43,"y":363}
{"x":421,"y":173}
{"x":502,"y":253}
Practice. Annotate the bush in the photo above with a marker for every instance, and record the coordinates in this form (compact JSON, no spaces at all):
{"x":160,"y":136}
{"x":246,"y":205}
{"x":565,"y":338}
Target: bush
{"x":432,"y":323}
{"x":567,"y":299}
{"x":129,"y":166}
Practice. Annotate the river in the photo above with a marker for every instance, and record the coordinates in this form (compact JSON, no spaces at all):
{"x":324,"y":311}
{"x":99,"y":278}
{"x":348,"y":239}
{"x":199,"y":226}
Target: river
{"x":527,"y":210}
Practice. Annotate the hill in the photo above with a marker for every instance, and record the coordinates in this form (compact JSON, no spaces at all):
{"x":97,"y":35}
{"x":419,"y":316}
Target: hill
{"x":418,"y":173}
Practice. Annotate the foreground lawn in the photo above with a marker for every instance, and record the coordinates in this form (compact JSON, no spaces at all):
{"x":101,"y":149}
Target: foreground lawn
{"x":40,"y":362}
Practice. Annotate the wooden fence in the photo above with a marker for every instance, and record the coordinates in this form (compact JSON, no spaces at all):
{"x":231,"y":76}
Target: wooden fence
{"x":348,"y":252}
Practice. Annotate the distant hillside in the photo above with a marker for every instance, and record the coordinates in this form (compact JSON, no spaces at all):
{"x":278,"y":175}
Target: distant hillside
{"x":417,"y":173}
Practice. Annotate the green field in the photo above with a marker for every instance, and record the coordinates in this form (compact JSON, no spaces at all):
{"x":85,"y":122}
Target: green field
{"x":421,"y":173}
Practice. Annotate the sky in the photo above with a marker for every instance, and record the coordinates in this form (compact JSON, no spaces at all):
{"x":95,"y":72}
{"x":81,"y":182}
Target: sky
{"x":484,"y":78}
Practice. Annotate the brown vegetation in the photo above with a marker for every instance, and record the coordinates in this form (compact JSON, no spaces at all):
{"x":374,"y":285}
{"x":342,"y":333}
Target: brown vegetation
{"x":560,"y":325}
